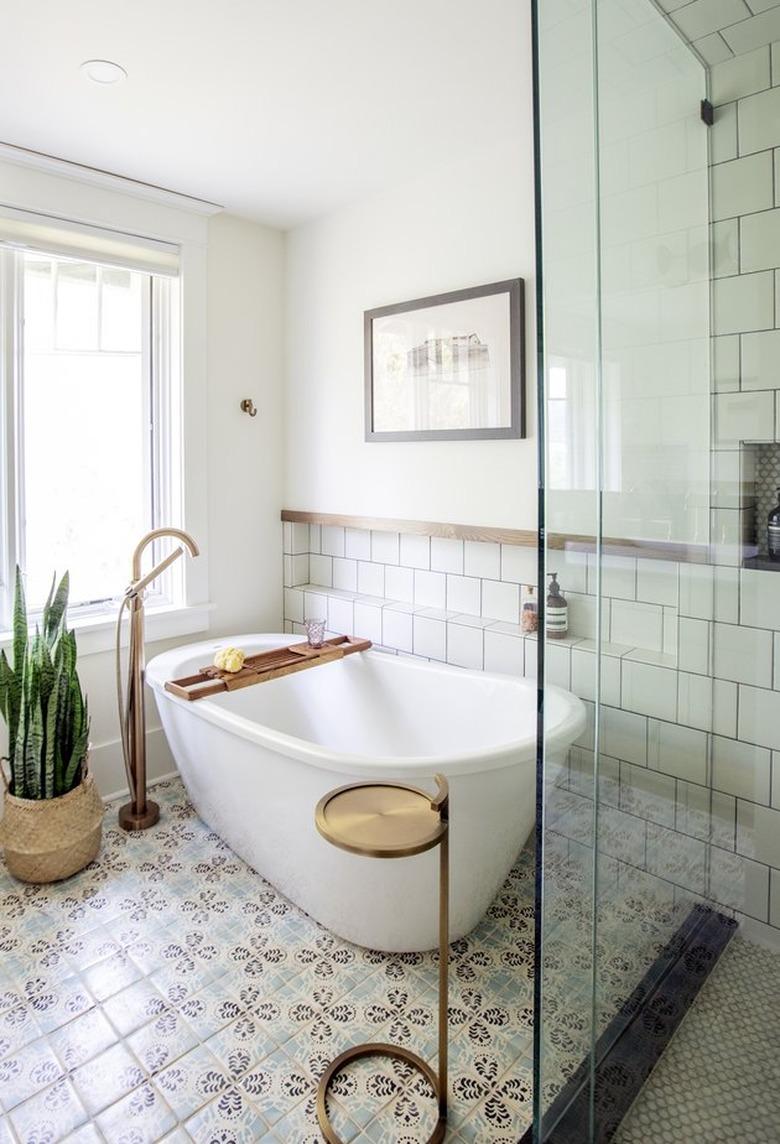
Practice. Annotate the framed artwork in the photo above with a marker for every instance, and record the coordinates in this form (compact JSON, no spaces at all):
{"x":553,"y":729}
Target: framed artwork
{"x":447,"y":368}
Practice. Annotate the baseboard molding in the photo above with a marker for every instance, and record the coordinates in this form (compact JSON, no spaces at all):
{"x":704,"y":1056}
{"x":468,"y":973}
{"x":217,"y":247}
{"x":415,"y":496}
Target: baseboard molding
{"x":124,"y":792}
{"x":631,"y":1045}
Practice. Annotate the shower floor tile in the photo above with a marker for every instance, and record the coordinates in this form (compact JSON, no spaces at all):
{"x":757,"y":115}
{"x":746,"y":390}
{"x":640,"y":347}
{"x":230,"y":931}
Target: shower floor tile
{"x":168,"y":993}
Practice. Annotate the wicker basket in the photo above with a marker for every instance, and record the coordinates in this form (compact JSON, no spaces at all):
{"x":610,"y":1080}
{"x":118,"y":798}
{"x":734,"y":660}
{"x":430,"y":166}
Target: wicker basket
{"x":46,"y":840}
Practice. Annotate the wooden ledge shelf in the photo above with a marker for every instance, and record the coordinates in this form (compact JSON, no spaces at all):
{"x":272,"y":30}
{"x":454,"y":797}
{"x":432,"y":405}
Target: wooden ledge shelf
{"x":522,"y":537}
{"x":265,"y":665}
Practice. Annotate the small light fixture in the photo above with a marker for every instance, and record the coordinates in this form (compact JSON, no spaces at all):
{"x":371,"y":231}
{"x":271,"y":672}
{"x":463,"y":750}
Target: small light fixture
{"x":103,"y":71}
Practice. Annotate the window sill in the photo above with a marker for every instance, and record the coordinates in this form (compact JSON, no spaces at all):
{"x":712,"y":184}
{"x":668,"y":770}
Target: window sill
{"x":97,"y":633}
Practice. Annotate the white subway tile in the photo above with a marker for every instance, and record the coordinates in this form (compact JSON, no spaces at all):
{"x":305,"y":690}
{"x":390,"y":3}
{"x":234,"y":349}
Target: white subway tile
{"x":696,"y":591}
{"x":724,"y":708}
{"x":583,"y":616}
{"x":482,"y":559}
{"x":344,"y":574}
{"x":447,"y":555}
{"x":776,"y":780}
{"x":743,"y":75}
{"x":759,"y":241}
{"x":694,"y":649}
{"x":648,"y":794}
{"x":748,"y":34}
{"x":705,"y":16}
{"x":368,"y":621}
{"x":385,"y":547}
{"x":657,"y":582}
{"x":742,"y":186}
{"x":293,"y":605}
{"x":743,"y":417}
{"x":743,"y":655}
{"x":618,"y":576}
{"x":321,"y":570}
{"x":504,"y":653}
{"x":557,"y":665}
{"x":501,"y":601}
{"x":759,"y":716}
{"x":739,"y":884}
{"x":677,"y":857}
{"x":315,"y":606}
{"x":706,"y":814}
{"x":430,"y":589}
{"x":465,"y":646}
{"x":726,"y":584}
{"x":713,"y":49}
{"x":694,"y":700}
{"x":624,"y":735}
{"x":758,"y":832}
{"x":678,"y":751}
{"x":333,"y":540}
{"x":287,"y":537}
{"x":300,"y":569}
{"x":519,"y":564}
{"x":723,"y":134}
{"x":725,"y":248}
{"x":357,"y":544}
{"x":758,"y":118}
{"x":315,"y":538}
{"x":649,"y":690}
{"x":464,"y":594}
{"x":415,"y":550}
{"x":761,"y":360}
{"x":759,"y":599}
{"x":341,"y":615}
{"x":622,"y":836}
{"x":430,"y":638}
{"x":725,"y":363}
{"x":584,"y":665}
{"x":397,"y":629}
{"x":640,"y":625}
{"x":743,"y":303}
{"x":300,"y":538}
{"x":371,"y":579}
{"x":399,"y":584}
{"x":741,"y":769}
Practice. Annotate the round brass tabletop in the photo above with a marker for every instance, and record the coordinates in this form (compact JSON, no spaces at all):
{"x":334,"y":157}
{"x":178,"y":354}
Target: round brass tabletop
{"x":380,"y":820}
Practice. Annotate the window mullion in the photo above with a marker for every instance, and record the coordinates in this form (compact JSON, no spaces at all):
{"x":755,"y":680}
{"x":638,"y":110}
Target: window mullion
{"x":11,"y":468}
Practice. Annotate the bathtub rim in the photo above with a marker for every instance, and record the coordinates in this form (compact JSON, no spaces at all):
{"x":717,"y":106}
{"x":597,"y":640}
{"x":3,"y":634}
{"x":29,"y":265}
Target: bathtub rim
{"x":168,"y":664}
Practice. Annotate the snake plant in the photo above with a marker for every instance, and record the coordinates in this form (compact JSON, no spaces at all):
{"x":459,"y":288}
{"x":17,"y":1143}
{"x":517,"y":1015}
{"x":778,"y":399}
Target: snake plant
{"x":42,"y":702}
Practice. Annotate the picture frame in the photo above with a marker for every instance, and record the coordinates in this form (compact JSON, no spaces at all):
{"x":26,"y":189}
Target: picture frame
{"x":449,"y":367}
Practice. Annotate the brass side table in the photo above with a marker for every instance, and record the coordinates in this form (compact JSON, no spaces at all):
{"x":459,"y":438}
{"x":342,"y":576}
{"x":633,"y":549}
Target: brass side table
{"x":389,"y":820}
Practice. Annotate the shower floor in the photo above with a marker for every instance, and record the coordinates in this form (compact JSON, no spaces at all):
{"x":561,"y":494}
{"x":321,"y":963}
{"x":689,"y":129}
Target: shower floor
{"x":169,"y":993}
{"x":719,"y":1079}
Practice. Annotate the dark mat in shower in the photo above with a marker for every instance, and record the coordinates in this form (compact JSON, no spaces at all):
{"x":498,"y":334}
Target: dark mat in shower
{"x":629,"y":1048}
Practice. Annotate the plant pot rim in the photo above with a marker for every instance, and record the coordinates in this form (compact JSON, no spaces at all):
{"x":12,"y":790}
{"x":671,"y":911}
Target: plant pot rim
{"x":42,"y":803}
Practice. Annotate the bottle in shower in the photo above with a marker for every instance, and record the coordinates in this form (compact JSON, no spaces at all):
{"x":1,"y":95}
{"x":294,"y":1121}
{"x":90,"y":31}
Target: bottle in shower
{"x":557,"y":610}
{"x":773,"y":531}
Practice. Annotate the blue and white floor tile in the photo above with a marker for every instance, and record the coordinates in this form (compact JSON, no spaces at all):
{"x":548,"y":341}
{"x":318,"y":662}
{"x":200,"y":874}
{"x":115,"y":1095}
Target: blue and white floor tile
{"x":168,"y":993}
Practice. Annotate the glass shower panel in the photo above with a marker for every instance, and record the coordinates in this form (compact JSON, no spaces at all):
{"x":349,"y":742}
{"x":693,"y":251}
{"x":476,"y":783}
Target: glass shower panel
{"x":625,"y":508}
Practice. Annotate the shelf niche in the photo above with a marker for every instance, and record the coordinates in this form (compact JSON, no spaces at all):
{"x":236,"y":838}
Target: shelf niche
{"x":760,"y":479}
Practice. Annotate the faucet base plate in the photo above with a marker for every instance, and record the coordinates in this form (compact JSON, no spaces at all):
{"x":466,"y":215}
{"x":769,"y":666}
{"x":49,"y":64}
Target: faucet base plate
{"x":130,"y":820}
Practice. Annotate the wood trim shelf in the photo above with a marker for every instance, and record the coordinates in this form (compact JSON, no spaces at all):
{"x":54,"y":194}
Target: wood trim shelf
{"x":526,"y":538}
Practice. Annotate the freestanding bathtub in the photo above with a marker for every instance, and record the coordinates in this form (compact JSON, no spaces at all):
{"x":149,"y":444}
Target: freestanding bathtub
{"x":256,"y":761}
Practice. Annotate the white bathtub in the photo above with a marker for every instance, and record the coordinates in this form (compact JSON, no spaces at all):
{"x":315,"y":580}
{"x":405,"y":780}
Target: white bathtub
{"x":255,"y":762}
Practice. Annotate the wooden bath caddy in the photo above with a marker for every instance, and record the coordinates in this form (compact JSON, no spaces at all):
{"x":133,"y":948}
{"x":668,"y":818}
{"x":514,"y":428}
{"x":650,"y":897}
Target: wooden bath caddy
{"x":266,"y":665}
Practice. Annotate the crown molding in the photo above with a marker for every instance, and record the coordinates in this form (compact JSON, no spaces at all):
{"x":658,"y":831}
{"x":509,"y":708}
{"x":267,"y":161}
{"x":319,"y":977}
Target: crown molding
{"x":53,"y":165}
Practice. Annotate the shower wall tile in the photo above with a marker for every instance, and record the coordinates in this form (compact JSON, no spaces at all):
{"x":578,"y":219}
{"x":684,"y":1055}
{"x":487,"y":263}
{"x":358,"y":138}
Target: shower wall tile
{"x":357,"y":544}
{"x":503,"y":653}
{"x":447,"y":555}
{"x":415,"y":551}
{"x":344,"y":574}
{"x":758,"y":832}
{"x":742,"y":186}
{"x":741,"y":769}
{"x":742,"y":654}
{"x":465,"y":646}
{"x":759,"y":121}
{"x":333,"y":540}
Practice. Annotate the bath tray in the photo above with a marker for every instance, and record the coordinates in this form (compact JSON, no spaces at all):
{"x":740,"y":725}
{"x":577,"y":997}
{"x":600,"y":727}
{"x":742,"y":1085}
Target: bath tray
{"x":264,"y":666}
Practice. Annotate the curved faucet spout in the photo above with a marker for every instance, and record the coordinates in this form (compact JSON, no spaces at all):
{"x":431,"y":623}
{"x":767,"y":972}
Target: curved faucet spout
{"x":155,"y":534}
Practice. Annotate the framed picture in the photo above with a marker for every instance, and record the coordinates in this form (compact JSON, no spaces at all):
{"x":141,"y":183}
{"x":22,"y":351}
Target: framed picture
{"x":447,"y":368}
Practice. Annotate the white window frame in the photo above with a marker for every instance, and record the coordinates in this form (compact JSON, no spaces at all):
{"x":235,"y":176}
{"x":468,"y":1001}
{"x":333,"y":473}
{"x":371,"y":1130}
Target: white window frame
{"x":128,"y":210}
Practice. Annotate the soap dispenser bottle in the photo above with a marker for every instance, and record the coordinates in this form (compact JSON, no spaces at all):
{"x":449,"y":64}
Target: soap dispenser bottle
{"x":557,"y":610}
{"x":773,"y":531}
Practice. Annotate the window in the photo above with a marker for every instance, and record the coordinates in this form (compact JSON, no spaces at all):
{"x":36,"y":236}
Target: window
{"x":90,"y":387}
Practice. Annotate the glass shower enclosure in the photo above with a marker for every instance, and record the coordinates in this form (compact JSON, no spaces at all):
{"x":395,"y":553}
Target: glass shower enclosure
{"x":656,"y":831}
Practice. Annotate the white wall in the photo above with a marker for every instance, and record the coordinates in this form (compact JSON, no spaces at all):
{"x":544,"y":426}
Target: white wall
{"x":463,"y":225}
{"x":243,"y":466}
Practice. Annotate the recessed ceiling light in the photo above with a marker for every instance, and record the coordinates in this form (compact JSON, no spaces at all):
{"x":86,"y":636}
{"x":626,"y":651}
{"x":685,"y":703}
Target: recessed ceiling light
{"x":103,"y":71}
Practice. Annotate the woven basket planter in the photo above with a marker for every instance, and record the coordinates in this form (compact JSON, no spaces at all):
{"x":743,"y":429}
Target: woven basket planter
{"x":46,"y":840}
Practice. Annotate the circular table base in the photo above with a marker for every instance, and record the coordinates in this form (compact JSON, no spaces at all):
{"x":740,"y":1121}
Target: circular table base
{"x":377,"y":1050}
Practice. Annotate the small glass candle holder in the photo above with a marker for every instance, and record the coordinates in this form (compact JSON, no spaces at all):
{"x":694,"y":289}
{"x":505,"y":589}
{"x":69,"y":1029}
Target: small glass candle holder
{"x":315,"y":632}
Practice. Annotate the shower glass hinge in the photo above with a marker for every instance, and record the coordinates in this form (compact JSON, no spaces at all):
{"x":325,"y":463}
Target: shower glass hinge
{"x":707,"y":112}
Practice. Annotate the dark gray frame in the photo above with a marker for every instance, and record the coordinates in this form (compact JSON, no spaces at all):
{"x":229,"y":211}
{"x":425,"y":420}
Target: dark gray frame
{"x":515,"y":288}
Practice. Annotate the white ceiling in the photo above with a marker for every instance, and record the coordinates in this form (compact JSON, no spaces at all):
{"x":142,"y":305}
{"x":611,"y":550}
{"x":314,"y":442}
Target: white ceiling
{"x":722,"y":29}
{"x":280,"y":110}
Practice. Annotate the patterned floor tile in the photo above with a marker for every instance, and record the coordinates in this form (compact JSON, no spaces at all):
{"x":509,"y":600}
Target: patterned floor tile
{"x":49,"y":1116}
{"x":212,"y":1005}
{"x":141,"y":1117}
